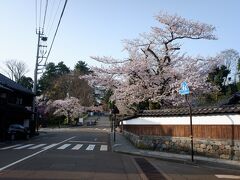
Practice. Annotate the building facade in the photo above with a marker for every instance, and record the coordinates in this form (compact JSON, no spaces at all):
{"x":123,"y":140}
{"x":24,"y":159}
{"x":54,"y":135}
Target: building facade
{"x":15,"y":106}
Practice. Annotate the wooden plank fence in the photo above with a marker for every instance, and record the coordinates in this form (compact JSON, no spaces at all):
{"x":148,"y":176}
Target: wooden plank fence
{"x":199,"y":131}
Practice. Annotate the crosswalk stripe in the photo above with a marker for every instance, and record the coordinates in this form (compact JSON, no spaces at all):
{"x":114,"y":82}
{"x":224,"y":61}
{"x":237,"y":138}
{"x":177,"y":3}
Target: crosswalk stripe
{"x":226,"y":176}
{"x":9,"y":147}
{"x":25,"y":146}
{"x":77,"y":147}
{"x":49,"y":146}
{"x":37,"y":146}
{"x":64,"y":146}
{"x":90,"y":147}
{"x":103,"y":148}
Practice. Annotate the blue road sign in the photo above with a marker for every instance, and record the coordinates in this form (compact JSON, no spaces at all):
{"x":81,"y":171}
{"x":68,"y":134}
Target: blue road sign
{"x":184,"y":88}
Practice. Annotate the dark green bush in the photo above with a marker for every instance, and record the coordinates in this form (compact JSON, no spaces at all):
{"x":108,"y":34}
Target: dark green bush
{"x":56,"y":120}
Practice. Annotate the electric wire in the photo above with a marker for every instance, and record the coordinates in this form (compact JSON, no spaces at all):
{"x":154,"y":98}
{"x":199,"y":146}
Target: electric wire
{"x":36,"y":13}
{"x":40,"y":16}
{"x":50,"y":29}
{"x":56,"y":30}
{"x":51,"y":10}
{"x":45,"y":14}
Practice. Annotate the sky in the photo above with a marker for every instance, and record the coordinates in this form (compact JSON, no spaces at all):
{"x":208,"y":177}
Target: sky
{"x":98,"y":27}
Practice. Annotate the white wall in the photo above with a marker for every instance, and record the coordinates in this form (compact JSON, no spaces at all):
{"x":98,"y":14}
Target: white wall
{"x":185,"y":120}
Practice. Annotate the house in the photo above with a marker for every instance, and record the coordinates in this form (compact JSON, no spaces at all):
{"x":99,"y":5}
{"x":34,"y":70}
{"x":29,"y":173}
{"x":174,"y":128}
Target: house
{"x":15,"y":106}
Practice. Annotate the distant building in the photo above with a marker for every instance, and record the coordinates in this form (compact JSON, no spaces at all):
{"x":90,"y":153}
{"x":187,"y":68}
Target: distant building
{"x":99,"y":93}
{"x":15,"y":106}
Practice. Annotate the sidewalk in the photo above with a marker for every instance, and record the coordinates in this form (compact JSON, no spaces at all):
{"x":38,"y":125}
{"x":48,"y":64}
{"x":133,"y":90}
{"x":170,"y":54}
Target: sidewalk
{"x":122,"y":145}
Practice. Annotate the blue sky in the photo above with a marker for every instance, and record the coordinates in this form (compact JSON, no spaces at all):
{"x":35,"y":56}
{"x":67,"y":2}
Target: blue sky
{"x":97,"y":27}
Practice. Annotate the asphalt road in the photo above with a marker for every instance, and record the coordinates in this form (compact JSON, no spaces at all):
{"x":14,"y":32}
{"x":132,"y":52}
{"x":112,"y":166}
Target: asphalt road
{"x":65,"y":154}
{"x":85,"y":153}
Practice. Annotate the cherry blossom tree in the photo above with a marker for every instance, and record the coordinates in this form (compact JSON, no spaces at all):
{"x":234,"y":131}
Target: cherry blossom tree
{"x":69,"y":107}
{"x":155,"y":67}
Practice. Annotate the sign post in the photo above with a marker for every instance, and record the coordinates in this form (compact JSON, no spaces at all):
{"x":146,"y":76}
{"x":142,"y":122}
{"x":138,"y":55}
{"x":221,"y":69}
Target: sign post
{"x":185,"y":91}
{"x":115,"y":111}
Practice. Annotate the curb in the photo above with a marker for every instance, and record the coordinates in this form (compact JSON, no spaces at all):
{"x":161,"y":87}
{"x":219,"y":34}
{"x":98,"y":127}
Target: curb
{"x":184,"y":161}
{"x":198,"y":160}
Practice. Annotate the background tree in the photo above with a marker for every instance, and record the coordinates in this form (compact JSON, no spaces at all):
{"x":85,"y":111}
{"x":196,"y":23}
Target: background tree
{"x":15,"y":69}
{"x":26,"y":82}
{"x":218,"y":76}
{"x":229,"y":58}
{"x":58,"y":82}
{"x":62,"y":69}
{"x":81,"y":68}
{"x":70,"y":85}
{"x":238,"y":65}
{"x":51,"y":73}
{"x":80,"y":89}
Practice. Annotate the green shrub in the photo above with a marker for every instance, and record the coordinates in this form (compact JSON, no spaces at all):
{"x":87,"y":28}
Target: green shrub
{"x":56,"y":120}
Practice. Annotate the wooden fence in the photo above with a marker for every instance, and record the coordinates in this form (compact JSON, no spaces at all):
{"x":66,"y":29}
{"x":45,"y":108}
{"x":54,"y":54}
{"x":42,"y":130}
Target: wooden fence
{"x":213,"y":126}
{"x":199,"y":131}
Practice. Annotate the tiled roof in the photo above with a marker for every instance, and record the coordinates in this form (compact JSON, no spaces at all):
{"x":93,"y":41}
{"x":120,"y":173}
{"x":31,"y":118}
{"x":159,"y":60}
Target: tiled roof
{"x":8,"y":83}
{"x":195,"y":111}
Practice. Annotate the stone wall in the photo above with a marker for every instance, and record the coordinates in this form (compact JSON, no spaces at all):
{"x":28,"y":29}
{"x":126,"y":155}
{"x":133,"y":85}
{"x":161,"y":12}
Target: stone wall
{"x":223,"y":149}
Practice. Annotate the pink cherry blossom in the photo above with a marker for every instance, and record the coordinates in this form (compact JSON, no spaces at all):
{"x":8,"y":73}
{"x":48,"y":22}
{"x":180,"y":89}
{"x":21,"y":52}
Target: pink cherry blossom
{"x":155,"y":67}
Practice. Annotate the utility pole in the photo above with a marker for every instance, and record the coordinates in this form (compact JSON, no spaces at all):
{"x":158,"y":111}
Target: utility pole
{"x":39,"y":66}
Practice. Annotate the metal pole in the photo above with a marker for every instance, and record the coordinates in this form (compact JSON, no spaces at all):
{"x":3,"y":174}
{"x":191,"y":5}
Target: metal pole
{"x":191,"y":128}
{"x":114,"y":133}
{"x":111,"y":120}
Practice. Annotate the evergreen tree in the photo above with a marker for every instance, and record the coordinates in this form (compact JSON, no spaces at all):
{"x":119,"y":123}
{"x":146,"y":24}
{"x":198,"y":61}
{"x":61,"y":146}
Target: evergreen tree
{"x":81,"y":68}
{"x":218,"y":77}
{"x":26,"y":82}
{"x":50,"y":75}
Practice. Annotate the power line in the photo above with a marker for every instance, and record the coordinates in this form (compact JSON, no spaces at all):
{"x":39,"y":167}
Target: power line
{"x":51,"y":10}
{"x":56,"y":30}
{"x":45,"y":14}
{"x":36,"y":12}
{"x":40,"y":17}
{"x":54,"y":17}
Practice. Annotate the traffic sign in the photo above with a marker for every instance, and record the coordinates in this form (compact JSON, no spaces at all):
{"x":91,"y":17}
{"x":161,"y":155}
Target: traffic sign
{"x":184,"y":88}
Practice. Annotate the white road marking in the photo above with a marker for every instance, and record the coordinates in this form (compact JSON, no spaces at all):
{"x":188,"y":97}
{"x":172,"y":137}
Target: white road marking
{"x":223,"y":176}
{"x":50,"y":146}
{"x":37,"y":146}
{"x":32,"y":155}
{"x":25,"y":146}
{"x":64,"y":146}
{"x":77,"y":147}
{"x":103,"y":148}
{"x":9,"y":147}
{"x":90,"y":147}
{"x":90,"y":142}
